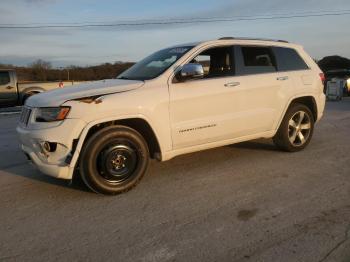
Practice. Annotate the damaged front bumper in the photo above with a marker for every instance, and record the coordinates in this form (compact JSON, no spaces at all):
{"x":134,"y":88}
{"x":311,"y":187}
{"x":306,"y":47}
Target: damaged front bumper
{"x":50,"y":149}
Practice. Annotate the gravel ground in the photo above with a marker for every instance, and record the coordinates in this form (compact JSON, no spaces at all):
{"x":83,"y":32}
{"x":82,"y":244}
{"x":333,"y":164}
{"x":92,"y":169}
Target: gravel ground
{"x":245,"y":202}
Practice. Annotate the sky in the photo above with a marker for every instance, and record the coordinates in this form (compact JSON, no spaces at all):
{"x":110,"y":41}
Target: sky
{"x":321,"y":36}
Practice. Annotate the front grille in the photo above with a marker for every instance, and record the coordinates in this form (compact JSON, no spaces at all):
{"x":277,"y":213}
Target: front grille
{"x":25,"y":115}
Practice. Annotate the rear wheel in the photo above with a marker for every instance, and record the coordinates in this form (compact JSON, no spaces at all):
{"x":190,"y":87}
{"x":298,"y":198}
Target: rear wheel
{"x":296,"y":129}
{"x":114,"y":160}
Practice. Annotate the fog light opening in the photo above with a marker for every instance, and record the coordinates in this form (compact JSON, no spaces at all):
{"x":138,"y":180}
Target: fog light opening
{"x":49,"y":147}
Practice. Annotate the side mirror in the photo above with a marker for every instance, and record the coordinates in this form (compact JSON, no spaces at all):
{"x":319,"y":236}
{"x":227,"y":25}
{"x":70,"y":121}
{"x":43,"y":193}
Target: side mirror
{"x":191,"y":71}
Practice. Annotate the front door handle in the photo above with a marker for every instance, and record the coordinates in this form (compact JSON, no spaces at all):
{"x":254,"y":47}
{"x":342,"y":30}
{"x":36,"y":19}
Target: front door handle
{"x":282,"y":78}
{"x":232,"y":84}
{"x":9,"y":87}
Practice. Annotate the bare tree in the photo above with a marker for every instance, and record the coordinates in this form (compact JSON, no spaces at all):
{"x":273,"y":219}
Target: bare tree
{"x":40,"y":69}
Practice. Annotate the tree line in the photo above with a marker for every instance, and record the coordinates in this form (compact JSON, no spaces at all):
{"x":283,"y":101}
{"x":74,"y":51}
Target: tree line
{"x":329,"y":63}
{"x":41,"y":70}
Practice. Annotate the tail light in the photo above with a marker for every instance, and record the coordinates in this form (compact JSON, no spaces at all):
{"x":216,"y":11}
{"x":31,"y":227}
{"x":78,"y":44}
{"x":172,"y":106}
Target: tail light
{"x":323,"y":78}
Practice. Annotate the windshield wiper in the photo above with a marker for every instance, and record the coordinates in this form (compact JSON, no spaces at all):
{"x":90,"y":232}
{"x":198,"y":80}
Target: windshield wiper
{"x":127,"y":78}
{"x":124,"y":78}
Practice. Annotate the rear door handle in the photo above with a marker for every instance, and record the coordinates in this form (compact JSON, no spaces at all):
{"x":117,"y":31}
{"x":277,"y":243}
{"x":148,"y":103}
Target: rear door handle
{"x":232,"y":84}
{"x":282,"y":78}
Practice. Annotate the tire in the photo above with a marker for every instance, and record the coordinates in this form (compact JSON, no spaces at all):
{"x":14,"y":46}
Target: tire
{"x":114,"y":160}
{"x":296,"y":129}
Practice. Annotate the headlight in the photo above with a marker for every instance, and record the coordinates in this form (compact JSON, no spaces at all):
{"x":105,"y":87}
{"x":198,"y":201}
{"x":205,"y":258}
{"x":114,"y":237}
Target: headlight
{"x":51,"y":114}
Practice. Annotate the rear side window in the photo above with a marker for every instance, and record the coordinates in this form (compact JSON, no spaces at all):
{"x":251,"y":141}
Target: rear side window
{"x":288,"y":59}
{"x":4,"y":78}
{"x":257,"y":60}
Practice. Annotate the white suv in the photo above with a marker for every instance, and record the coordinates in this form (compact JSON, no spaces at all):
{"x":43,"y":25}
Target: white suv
{"x":179,"y":100}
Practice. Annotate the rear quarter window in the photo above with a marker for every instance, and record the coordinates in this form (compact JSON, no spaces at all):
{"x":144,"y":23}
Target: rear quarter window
{"x":288,"y":59}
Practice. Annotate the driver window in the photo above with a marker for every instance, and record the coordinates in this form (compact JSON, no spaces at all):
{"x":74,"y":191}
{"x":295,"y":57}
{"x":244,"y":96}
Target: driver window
{"x":216,"y":62}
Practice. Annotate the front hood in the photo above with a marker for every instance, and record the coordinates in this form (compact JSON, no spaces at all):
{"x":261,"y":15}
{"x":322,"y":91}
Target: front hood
{"x":58,"y":96}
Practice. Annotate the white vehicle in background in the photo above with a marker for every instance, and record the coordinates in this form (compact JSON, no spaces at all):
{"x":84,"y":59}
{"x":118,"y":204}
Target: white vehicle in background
{"x":179,"y":100}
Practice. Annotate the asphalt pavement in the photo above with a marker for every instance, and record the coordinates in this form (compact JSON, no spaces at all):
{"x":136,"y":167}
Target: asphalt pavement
{"x":5,"y":111}
{"x":244,"y":202}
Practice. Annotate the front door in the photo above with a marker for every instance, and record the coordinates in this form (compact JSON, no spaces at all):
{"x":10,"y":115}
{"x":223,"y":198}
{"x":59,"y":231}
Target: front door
{"x":203,"y":111}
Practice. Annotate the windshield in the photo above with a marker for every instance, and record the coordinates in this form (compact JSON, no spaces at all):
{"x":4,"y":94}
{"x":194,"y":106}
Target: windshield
{"x":155,"y":64}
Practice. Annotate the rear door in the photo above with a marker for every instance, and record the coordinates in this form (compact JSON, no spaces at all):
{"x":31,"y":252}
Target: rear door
{"x":8,"y":90}
{"x":265,"y":88}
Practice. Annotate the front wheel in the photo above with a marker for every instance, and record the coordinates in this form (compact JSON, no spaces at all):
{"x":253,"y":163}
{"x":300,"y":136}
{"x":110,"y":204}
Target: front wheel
{"x":114,"y":160}
{"x":296,"y":129}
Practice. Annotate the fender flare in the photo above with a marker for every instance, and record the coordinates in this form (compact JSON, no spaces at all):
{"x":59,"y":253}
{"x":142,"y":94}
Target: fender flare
{"x":89,"y":125}
{"x":290,"y":101}
{"x":31,"y":89}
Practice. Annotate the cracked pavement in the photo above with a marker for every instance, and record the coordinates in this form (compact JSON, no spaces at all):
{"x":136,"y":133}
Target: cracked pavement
{"x":245,"y":202}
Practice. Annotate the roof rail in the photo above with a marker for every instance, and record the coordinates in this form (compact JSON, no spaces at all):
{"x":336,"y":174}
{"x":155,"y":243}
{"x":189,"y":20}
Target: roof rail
{"x":248,"y":38}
